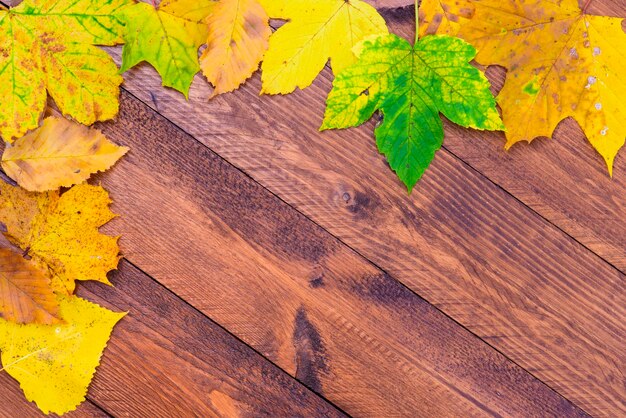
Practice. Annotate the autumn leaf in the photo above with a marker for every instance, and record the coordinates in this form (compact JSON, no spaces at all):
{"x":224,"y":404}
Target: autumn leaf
{"x":48,"y":45}
{"x":444,"y":17}
{"x":315,"y":32}
{"x":25,"y":292}
{"x":238,"y":37}
{"x":55,"y":363}
{"x":411,"y":85}
{"x":168,"y":38}
{"x":561,"y":63}
{"x":59,"y":154}
{"x":60,"y":232}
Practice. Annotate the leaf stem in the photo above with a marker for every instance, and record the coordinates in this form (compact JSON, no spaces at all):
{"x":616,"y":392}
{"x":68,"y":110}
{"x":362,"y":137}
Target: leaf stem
{"x":417,"y":21}
{"x":586,"y":5}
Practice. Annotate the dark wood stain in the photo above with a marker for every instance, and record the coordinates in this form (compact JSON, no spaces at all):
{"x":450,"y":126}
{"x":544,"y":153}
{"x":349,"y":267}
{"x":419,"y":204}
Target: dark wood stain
{"x":362,"y":205}
{"x":491,"y":238}
{"x":379,"y":289}
{"x":317,"y":281}
{"x":216,"y":248}
{"x":476,"y":240}
{"x":310,"y":352}
{"x":167,"y":359}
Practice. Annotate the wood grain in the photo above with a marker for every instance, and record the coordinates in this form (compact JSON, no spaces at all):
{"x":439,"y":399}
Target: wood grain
{"x":551,"y":175}
{"x":293,"y":292}
{"x":339,"y":324}
{"x":469,"y":246}
{"x":167,"y":359}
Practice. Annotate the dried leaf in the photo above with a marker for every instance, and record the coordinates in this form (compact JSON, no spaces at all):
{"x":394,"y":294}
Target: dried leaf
{"x":55,"y":363}
{"x":444,"y":17}
{"x":60,"y":232}
{"x":411,"y":85}
{"x":315,"y":32}
{"x":561,"y":63}
{"x":168,"y":38}
{"x":59,"y":154}
{"x":49,"y":45}
{"x":238,"y":37}
{"x":25,"y":292}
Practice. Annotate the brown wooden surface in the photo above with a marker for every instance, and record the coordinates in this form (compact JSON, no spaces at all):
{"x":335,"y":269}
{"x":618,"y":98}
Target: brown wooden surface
{"x":496,"y":288}
{"x":527,"y":270}
{"x":167,"y":359}
{"x":293,"y":292}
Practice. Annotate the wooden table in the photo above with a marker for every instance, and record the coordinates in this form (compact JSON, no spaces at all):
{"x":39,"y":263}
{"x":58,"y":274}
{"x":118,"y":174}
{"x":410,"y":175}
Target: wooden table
{"x":273,"y":270}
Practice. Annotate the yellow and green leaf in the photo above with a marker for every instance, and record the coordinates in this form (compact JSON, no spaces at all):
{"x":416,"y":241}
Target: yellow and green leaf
{"x":167,"y":37}
{"x":316,"y":31}
{"x":48,"y":46}
{"x":561,"y":61}
{"x":411,"y":85}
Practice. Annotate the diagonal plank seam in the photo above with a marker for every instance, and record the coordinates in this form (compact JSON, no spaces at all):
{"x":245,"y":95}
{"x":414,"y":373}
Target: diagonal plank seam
{"x":471,"y":167}
{"x":444,"y":148}
{"x":477,"y":171}
{"x":483,"y":175}
{"x":468,"y":164}
{"x":541,"y":217}
{"x":149,"y":108}
{"x":239,"y":340}
{"x":98,"y":406}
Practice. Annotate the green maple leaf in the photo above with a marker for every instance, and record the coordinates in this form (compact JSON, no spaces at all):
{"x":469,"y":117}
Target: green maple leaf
{"x":411,"y":85}
{"x":168,"y":38}
{"x":47,"y":46}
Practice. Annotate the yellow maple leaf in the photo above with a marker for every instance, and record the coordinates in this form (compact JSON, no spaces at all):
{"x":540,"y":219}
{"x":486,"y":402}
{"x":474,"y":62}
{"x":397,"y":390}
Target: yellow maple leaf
{"x":49,"y":45}
{"x":60,"y":232}
{"x":60,"y":153}
{"x":239,"y":32}
{"x":25,"y":292}
{"x":561,"y":63}
{"x":54,"y":364}
{"x":315,"y":32}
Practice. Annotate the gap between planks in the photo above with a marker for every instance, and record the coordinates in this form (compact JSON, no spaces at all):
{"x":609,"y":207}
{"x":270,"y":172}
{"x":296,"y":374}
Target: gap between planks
{"x":464,"y":163}
{"x":455,"y":156}
{"x":239,"y":340}
{"x":148,"y":108}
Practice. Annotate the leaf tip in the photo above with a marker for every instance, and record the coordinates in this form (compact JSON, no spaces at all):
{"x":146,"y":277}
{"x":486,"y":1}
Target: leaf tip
{"x":410,"y":185}
{"x":609,"y":165}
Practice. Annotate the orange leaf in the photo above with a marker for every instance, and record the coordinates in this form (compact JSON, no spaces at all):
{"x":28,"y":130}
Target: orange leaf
{"x":25,"y":292}
{"x":238,"y":37}
{"x":562,"y":62}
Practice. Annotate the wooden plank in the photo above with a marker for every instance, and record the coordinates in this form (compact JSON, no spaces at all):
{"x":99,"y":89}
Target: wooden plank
{"x":300,"y":297}
{"x":550,"y":176}
{"x":459,"y":241}
{"x":167,"y":359}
